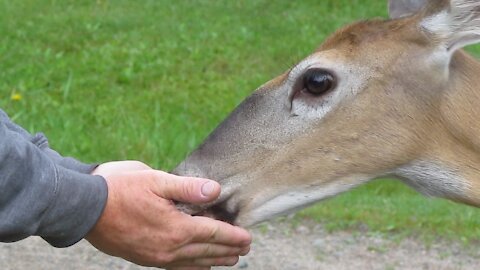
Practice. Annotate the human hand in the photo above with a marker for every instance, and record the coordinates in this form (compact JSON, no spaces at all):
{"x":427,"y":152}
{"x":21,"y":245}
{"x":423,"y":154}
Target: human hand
{"x":116,"y":167}
{"x":141,"y":224}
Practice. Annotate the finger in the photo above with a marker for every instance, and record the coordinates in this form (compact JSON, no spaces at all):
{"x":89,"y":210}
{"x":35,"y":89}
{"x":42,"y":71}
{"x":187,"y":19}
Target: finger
{"x":185,"y":189}
{"x":201,"y":250}
{"x":245,"y":251}
{"x":207,"y":230}
{"x":207,"y":262}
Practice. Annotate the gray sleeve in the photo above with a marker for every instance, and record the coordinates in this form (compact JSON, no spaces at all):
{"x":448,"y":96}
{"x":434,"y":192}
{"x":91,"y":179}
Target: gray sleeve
{"x":40,"y":197}
{"x":41,"y":141}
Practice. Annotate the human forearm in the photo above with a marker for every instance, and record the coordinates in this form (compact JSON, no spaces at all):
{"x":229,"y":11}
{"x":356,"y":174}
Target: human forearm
{"x":39,"y":197}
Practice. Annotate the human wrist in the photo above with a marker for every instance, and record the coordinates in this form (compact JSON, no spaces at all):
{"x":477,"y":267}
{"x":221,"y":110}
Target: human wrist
{"x":78,"y":204}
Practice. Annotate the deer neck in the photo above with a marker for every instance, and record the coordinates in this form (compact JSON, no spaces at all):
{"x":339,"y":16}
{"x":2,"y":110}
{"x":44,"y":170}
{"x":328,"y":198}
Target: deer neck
{"x":450,"y":168}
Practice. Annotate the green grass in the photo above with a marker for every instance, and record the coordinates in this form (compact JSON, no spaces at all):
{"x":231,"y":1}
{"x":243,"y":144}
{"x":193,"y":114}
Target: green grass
{"x":387,"y":206}
{"x":148,"y":80}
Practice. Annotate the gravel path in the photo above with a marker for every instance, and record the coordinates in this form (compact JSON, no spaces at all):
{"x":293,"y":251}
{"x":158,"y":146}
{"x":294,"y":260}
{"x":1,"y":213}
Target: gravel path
{"x":276,"y":246}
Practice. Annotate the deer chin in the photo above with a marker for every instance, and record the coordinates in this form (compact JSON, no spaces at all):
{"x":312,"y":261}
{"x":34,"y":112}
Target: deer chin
{"x":295,"y":199}
{"x":261,"y":207}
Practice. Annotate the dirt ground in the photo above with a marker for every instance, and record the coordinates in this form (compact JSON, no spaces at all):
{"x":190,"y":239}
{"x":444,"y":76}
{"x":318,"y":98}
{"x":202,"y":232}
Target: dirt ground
{"x":276,"y":246}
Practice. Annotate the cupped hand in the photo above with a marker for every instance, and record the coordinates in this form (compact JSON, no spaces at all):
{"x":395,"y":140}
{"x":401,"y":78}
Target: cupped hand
{"x":140,"y":223}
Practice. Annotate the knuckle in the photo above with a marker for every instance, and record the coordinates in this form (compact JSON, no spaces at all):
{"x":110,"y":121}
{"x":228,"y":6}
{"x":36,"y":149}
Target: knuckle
{"x":212,"y":233}
{"x":165,"y":258}
{"x":187,"y":188}
{"x":178,"y":238}
{"x":208,"y":251}
{"x":175,"y":239}
{"x":205,"y":233}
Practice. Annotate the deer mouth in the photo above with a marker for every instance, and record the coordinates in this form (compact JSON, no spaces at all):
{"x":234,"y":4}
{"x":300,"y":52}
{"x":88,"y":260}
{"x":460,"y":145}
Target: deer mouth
{"x":219,"y":212}
{"x":224,"y":208}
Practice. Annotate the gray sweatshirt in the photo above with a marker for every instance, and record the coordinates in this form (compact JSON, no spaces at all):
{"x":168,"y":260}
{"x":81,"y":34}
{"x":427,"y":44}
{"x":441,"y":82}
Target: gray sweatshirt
{"x":43,"y":193}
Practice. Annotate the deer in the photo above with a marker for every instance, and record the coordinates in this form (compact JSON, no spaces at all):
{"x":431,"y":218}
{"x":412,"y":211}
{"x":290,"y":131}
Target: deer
{"x":384,"y":97}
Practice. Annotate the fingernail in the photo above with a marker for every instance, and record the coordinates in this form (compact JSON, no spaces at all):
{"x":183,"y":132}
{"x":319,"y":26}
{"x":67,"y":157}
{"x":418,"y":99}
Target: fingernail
{"x":208,"y":188}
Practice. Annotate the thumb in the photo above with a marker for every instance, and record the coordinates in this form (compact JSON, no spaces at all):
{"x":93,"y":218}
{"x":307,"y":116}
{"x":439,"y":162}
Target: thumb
{"x":186,"y":189}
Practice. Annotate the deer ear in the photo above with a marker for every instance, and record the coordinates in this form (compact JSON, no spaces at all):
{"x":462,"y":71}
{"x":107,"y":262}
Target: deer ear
{"x":455,"y":24}
{"x":405,"y":8}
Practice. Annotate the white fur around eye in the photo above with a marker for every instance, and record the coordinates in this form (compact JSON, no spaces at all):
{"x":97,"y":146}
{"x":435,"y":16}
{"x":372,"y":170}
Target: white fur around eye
{"x":350,"y":80}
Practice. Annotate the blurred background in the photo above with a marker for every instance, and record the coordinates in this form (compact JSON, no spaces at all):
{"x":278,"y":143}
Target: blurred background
{"x":149,"y":79}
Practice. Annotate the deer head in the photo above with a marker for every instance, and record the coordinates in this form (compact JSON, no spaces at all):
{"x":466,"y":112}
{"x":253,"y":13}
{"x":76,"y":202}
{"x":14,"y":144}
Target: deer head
{"x":382,"y":97}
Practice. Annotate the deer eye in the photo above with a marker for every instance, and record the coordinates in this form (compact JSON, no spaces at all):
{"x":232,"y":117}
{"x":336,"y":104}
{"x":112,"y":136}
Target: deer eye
{"x":318,"y":81}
